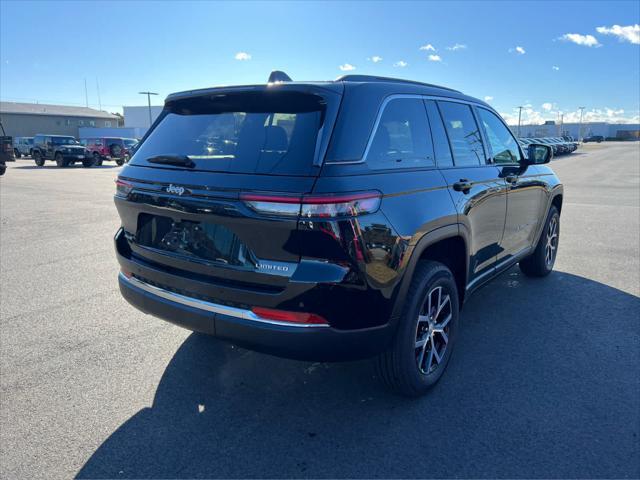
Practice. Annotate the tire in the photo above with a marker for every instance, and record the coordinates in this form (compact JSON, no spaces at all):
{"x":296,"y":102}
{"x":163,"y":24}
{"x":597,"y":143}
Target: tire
{"x":115,"y":150}
{"x":97,"y":161}
{"x":87,"y":162}
{"x":119,"y":161}
{"x":540,"y":262}
{"x":37,"y":157}
{"x":60,"y":161}
{"x":17,"y":153}
{"x":411,"y":367}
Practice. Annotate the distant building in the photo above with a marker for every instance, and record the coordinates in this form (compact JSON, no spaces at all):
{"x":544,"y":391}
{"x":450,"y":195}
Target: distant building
{"x":29,"y":119}
{"x":626,"y":131}
{"x":138,"y":117}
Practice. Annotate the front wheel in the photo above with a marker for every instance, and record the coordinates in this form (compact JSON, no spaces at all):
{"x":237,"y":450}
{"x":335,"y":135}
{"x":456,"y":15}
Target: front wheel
{"x":87,"y":162}
{"x":60,"y":161}
{"x":119,"y":161}
{"x":426,"y":333}
{"x":97,"y":161}
{"x":541,"y":261}
{"x":37,"y":157}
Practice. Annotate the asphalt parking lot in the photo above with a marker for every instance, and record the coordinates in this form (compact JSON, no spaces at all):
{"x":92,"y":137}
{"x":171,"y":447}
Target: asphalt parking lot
{"x":544,"y":382}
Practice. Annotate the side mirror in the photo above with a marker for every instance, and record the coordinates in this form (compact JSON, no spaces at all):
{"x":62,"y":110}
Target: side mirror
{"x":538,"y":154}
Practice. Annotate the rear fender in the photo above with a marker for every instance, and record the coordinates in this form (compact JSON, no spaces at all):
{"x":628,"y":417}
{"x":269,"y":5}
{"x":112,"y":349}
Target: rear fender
{"x":442,"y":233}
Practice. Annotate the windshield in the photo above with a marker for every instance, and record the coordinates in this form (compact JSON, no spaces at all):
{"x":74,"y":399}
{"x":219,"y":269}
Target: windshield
{"x":273,"y":133}
{"x":130,"y":142}
{"x":63,"y":141}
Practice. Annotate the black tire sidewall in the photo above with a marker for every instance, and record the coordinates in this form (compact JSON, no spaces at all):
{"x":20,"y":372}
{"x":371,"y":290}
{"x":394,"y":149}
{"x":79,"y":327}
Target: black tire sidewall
{"x":428,"y":276}
{"x":37,"y":157}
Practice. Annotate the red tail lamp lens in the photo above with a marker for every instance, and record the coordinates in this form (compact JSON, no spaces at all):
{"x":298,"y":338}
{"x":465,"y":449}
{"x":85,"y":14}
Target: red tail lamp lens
{"x":123,"y":189}
{"x":289,"y":317}
{"x":308,"y":206}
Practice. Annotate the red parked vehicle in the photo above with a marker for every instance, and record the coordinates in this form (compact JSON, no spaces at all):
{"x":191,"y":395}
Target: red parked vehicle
{"x":107,"y":148}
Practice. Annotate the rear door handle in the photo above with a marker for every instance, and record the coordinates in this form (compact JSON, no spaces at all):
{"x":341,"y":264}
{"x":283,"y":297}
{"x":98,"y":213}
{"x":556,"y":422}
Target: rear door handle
{"x":463,"y":185}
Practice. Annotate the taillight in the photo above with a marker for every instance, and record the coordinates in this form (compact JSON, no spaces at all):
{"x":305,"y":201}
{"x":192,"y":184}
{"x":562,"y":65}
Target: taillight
{"x":309,"y":206}
{"x":289,"y":317}
{"x":123,"y":189}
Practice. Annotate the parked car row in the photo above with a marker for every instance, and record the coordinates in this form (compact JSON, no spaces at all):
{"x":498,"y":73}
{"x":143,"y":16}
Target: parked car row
{"x":559,"y":145}
{"x":65,"y":150}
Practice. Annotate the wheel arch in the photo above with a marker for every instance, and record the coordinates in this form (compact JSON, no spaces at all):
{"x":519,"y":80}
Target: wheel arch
{"x":447,"y":245}
{"x":556,"y":201}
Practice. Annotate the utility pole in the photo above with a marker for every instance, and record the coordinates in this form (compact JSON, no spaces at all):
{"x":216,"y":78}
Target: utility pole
{"x":98,"y":89}
{"x":148,"y":94}
{"x":86,"y":95}
{"x":561,"y":124}
{"x":580,"y":127}
{"x":519,"y":118}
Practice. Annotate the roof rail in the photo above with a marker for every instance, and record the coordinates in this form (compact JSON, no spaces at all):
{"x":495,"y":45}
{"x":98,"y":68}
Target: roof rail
{"x":375,"y":78}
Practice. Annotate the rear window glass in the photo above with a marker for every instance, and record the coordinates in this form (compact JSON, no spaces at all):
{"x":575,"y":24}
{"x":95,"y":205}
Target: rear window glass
{"x":402,"y":139}
{"x":263,"y":133}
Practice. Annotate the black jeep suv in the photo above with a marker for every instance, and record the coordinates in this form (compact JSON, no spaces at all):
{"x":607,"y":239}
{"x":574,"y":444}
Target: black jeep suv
{"x":331,"y":220}
{"x":65,"y":150}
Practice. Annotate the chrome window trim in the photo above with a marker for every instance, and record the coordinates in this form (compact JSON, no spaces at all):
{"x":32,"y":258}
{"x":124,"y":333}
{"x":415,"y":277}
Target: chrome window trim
{"x":208,"y":306}
{"x":381,"y":109}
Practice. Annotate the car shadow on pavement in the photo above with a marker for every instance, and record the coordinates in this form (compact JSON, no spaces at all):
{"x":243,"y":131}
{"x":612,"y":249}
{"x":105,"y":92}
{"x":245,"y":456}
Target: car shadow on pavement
{"x":544,"y":383}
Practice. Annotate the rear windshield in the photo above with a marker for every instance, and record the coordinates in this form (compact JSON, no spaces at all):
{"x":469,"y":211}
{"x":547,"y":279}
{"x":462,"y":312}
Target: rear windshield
{"x":257,"y":132}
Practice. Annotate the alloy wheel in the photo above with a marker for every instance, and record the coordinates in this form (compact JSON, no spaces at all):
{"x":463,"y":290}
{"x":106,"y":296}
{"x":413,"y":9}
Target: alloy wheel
{"x":432,"y":333}
{"x":551,"y":246}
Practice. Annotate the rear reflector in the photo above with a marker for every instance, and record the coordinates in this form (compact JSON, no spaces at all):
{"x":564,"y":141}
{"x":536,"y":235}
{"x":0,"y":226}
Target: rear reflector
{"x":307,"y":206}
{"x":290,"y":317}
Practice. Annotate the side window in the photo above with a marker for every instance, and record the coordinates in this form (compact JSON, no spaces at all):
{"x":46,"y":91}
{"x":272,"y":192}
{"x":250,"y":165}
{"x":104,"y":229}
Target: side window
{"x":504,"y":147}
{"x":463,"y":132}
{"x":402,"y":138}
{"x":440,"y":141}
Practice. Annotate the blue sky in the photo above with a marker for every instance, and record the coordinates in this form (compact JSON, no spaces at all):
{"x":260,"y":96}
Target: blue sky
{"x":550,"y":57}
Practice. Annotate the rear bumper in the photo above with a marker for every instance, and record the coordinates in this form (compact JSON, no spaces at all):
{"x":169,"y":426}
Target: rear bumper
{"x":303,"y":342}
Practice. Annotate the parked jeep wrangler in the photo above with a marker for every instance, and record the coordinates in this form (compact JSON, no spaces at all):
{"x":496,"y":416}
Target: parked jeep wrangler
{"x":63,"y":149}
{"x":22,"y":146}
{"x":332,"y":220}
{"x":107,"y":148}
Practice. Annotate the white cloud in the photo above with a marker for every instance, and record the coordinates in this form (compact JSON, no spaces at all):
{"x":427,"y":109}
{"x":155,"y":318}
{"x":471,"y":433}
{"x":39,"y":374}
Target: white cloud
{"x":428,"y":47}
{"x":585,"y":40}
{"x":547,"y":106}
{"x":630,"y":33}
{"x":518,"y":50}
{"x":457,"y":46}
{"x":488,"y":98}
{"x":606,"y":114}
{"x":400,"y":64}
{"x":347,"y":67}
{"x":435,"y":58}
{"x":555,"y":67}
{"x":375,"y":59}
{"x":242,"y":56}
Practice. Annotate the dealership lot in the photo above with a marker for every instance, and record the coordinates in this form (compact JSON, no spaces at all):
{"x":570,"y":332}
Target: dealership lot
{"x":544,"y":382}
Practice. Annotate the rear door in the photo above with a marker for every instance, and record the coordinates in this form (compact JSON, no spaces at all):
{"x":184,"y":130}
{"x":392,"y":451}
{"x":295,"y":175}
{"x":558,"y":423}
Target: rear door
{"x":214,"y":190}
{"x":475,"y":187}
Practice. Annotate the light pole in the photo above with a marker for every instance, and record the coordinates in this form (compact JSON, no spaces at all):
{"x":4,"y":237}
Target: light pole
{"x":148,"y":94}
{"x":580,"y":125}
{"x":519,"y":118}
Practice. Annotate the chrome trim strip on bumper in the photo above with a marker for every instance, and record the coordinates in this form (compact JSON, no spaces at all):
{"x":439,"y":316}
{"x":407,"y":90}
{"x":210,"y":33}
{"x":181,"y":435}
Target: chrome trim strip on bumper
{"x":207,"y":306}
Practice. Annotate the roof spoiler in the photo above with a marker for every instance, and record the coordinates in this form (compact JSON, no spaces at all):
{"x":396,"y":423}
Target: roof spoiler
{"x":278,"y":76}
